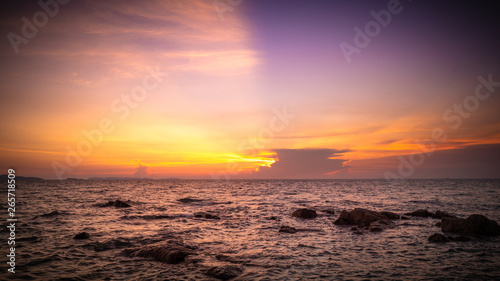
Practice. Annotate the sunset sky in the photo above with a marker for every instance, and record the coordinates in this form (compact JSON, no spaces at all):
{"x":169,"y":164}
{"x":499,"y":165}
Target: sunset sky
{"x":260,"y":89}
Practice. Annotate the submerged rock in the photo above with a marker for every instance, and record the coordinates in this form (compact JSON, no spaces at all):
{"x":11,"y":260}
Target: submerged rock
{"x":329,"y":211}
{"x":164,"y":252}
{"x":51,"y":214}
{"x":287,"y":229}
{"x":110,"y":245}
{"x":117,"y":204}
{"x":379,"y":225}
{"x":82,"y":235}
{"x":206,"y":216}
{"x":304,"y":213}
{"x":420,"y":213}
{"x":460,"y":238}
{"x":189,"y":200}
{"x":473,"y":225}
{"x":438,"y":238}
{"x":225,"y":271}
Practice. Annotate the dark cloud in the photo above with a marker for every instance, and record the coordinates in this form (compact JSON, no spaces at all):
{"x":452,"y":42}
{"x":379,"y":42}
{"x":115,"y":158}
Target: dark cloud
{"x":303,"y":164}
{"x":474,"y":161}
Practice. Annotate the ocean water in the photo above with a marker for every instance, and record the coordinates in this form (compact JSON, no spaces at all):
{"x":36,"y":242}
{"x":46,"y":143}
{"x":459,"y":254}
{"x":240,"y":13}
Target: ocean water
{"x":247,"y":233}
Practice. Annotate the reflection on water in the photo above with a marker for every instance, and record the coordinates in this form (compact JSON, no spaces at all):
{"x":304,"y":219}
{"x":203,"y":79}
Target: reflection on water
{"x":250,"y":214}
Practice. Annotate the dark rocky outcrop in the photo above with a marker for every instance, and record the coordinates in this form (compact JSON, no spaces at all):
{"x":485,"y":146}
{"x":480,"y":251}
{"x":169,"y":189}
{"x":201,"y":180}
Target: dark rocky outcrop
{"x":477,"y":225}
{"x":304,"y":213}
{"x":287,"y":229}
{"x":206,"y":216}
{"x":117,"y":204}
{"x":420,"y":213}
{"x":371,"y":220}
{"x":82,"y":235}
{"x":438,"y":238}
{"x":224,"y":271}
{"x":360,"y":217}
{"x":164,"y":252}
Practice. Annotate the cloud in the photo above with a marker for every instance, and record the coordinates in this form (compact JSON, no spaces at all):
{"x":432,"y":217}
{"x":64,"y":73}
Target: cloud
{"x":474,"y":161}
{"x":142,"y":170}
{"x":303,"y":164}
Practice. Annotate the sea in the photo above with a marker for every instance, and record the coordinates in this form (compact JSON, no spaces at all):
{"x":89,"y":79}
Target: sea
{"x":244,"y":229}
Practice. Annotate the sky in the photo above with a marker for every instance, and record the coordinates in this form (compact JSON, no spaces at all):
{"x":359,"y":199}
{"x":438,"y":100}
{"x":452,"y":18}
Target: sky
{"x":276,"y":89}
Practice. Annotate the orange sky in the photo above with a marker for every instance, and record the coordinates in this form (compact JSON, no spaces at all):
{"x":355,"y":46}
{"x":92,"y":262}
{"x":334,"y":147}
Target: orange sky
{"x":168,"y":89}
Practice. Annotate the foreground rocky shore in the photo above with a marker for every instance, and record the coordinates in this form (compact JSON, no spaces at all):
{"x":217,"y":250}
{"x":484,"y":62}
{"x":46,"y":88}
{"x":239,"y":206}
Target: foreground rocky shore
{"x":173,"y":250}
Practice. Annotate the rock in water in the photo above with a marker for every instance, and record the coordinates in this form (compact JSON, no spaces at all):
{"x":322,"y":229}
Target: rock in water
{"x":473,"y":225}
{"x":117,"y":204}
{"x":379,"y":225}
{"x":51,"y":214}
{"x":224,"y":272}
{"x":82,"y":235}
{"x":440,"y":214}
{"x":420,"y":213}
{"x":438,"y":238}
{"x":359,"y":217}
{"x":390,"y":215}
{"x":287,"y":229}
{"x":164,"y":252}
{"x":206,"y":216}
{"x":188,"y":200}
{"x":304,"y":214}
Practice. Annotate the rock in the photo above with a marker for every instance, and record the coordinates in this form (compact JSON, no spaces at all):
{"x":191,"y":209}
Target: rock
{"x":438,"y":224}
{"x":473,"y":225}
{"x":404,"y":218}
{"x":329,"y":211}
{"x":273,"y":218}
{"x":438,"y":238}
{"x":224,"y":272}
{"x":360,"y":217}
{"x":164,"y":252}
{"x":188,"y":200}
{"x":206,"y":216}
{"x":304,"y":213}
{"x":51,"y":214}
{"x":390,"y":215}
{"x":420,"y":213}
{"x":287,"y":229}
{"x":117,"y":204}
{"x":379,"y":225}
{"x":110,"y":245}
{"x":440,"y":214}
{"x":82,"y":235}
